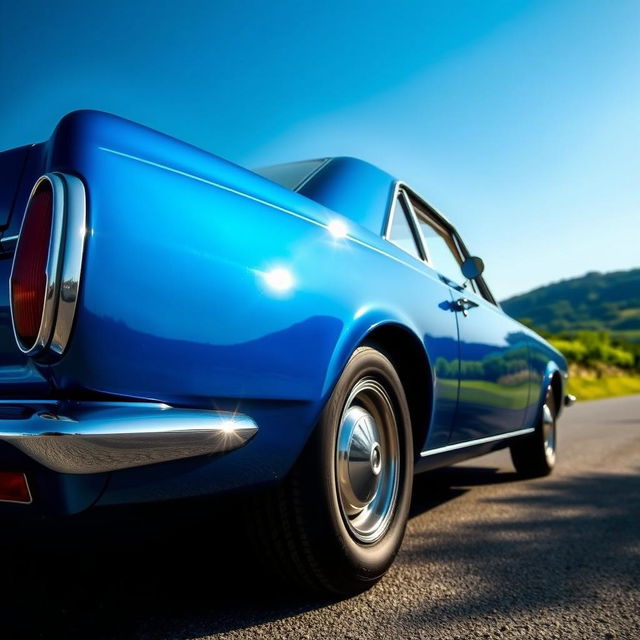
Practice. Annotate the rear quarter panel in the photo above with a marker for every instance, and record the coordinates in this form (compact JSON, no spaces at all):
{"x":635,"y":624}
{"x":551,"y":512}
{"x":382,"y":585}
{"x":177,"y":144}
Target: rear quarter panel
{"x":176,"y":305}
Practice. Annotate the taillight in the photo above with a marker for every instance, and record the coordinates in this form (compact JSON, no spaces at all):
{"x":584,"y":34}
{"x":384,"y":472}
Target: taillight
{"x":14,"y":487}
{"x":46,"y":267}
{"x":29,"y":276}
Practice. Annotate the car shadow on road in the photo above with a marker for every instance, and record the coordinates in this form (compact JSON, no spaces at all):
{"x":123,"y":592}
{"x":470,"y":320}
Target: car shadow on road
{"x":178,"y":571}
{"x":442,"y":485}
{"x":175,"y":573}
{"x":554,"y":544}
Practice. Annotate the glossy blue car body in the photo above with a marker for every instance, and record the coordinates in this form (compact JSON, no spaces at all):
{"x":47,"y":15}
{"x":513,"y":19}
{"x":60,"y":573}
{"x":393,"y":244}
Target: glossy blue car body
{"x":207,"y":286}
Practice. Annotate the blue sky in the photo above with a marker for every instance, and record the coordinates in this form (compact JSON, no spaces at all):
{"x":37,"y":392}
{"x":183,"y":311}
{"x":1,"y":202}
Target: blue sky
{"x":520,"y":120}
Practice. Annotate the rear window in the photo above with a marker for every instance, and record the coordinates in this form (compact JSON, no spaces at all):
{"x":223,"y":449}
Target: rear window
{"x":292,"y":174}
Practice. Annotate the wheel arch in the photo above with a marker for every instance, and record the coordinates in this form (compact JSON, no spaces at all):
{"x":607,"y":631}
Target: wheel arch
{"x":553,"y":378}
{"x":409,"y":358}
{"x":556,"y":387}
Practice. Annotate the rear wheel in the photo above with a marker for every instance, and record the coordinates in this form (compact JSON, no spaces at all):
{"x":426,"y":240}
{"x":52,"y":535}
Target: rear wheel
{"x":535,"y":455}
{"x":337,"y":521}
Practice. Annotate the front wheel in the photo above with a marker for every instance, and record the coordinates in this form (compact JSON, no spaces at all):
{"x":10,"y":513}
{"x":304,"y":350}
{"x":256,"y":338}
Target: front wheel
{"x":337,"y":521}
{"x":535,"y":455}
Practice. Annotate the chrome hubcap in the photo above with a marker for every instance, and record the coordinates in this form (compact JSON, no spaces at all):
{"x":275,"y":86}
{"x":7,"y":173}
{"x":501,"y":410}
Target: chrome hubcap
{"x":376,"y":459}
{"x":367,"y":461}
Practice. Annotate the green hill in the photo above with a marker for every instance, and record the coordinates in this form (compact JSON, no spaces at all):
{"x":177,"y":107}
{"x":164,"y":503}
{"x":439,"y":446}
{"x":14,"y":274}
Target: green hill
{"x":595,"y":302}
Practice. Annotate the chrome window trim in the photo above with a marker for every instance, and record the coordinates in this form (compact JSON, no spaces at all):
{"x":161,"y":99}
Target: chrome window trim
{"x":438,"y":227}
{"x":389,"y":213}
{"x":320,"y":164}
{"x":63,"y":266}
{"x":473,"y":443}
{"x":399,"y":194}
{"x":401,"y":185}
{"x":484,"y":291}
{"x":323,"y":163}
{"x":422,"y":245}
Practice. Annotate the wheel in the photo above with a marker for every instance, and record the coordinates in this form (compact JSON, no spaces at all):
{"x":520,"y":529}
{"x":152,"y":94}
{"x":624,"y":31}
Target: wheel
{"x":338,"y":520}
{"x":535,"y":455}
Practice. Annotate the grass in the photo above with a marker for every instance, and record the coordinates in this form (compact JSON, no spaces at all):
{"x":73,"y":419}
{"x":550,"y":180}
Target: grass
{"x":605,"y":387}
{"x":629,"y":335}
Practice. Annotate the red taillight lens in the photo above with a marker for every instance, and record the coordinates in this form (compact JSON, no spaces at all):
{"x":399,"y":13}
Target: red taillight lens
{"x":14,"y":487}
{"x":29,"y":278}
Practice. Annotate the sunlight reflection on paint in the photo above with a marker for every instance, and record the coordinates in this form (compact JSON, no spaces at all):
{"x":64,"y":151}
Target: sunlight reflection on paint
{"x":361,"y":311}
{"x":279,"y":279}
{"x":337,"y":228}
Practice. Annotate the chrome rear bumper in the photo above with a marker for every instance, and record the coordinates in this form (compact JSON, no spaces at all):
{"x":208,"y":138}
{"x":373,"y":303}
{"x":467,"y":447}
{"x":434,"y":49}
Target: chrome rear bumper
{"x":94,"y":437}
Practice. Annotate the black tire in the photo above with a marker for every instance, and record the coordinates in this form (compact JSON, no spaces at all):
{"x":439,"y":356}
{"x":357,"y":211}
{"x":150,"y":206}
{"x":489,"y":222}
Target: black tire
{"x":303,"y":525}
{"x":535,"y":455}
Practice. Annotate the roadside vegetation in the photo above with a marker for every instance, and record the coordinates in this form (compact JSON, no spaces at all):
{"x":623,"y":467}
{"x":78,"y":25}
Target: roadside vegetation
{"x":595,"y":321}
{"x":601,"y":364}
{"x":593,"y":302}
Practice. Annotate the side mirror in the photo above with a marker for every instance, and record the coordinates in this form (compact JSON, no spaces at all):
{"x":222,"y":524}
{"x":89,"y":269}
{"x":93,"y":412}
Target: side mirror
{"x":472,"y":267}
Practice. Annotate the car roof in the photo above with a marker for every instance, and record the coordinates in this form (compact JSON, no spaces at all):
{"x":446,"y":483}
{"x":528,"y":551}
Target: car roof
{"x":349,"y":186}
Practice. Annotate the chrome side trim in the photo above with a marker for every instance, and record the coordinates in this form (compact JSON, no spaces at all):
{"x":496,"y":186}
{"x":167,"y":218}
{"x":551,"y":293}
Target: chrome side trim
{"x":473,"y":443}
{"x":64,"y":264}
{"x":97,"y":437}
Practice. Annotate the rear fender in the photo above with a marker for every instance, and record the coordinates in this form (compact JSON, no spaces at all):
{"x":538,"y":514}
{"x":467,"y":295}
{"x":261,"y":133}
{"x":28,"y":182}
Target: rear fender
{"x":551,"y":373}
{"x":365,"y":321}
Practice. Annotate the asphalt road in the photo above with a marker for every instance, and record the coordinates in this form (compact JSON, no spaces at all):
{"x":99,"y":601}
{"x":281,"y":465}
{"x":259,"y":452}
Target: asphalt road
{"x":486,"y":556}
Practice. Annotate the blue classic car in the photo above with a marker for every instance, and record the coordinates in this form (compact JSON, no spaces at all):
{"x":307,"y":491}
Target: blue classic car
{"x":173,"y":325}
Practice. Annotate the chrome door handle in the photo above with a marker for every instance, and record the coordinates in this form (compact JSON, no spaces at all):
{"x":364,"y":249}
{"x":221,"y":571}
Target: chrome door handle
{"x":464,"y":304}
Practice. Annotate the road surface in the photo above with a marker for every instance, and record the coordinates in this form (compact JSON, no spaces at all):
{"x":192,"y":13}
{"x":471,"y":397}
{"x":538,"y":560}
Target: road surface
{"x":486,"y":555}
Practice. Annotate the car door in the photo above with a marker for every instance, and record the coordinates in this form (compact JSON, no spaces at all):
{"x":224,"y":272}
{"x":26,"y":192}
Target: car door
{"x":439,"y":327}
{"x":494,"y":378}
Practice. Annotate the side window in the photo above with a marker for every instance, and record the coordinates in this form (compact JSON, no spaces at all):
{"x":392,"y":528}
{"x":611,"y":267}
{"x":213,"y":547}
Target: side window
{"x":401,"y":231}
{"x":442,"y":249}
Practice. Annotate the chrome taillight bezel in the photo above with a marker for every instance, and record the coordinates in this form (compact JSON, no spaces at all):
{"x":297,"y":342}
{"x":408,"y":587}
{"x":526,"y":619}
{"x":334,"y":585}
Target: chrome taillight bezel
{"x":63,"y":266}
